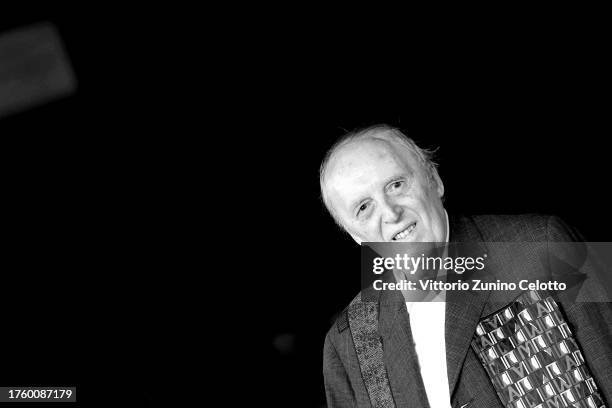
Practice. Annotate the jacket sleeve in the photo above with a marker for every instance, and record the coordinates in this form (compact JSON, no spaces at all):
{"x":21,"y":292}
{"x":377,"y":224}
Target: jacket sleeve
{"x":588,"y":312}
{"x":338,"y":390}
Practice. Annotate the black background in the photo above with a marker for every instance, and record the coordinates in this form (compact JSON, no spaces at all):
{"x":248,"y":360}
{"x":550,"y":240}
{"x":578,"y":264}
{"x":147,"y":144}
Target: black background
{"x":176,"y":130}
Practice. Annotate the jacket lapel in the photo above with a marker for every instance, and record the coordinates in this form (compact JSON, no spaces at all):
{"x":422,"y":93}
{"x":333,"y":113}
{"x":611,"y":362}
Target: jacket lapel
{"x":463,"y":308}
{"x":399,"y":353}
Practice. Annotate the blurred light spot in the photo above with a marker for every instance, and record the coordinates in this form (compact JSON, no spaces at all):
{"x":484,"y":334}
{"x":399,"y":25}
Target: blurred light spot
{"x":34,"y":68}
{"x":284,"y":343}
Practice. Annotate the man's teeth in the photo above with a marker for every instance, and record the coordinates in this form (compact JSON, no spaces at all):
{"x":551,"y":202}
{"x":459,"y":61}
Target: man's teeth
{"x":405,"y":232}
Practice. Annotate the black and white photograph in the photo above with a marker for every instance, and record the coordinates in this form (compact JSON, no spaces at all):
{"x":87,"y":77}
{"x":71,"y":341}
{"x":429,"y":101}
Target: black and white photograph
{"x":517,"y":179}
{"x":278,"y":214}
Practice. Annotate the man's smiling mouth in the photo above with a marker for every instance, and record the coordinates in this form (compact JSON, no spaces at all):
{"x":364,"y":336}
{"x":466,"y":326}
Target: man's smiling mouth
{"x":404,"y":233}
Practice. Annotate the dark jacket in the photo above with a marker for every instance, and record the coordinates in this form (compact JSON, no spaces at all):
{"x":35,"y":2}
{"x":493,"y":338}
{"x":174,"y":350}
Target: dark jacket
{"x":590,"y":322}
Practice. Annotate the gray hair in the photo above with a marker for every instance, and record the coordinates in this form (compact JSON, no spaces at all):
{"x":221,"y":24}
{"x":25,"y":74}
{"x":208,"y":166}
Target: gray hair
{"x":376,"y":132}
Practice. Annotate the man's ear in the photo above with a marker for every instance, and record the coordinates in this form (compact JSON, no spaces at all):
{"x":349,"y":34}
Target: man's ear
{"x":437,"y":182}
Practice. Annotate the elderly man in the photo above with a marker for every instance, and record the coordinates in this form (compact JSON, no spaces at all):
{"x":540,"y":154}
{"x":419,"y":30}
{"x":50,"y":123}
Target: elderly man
{"x":380,"y":187}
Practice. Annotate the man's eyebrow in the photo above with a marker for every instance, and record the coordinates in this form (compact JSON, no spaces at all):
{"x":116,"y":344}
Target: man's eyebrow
{"x":406,"y":175}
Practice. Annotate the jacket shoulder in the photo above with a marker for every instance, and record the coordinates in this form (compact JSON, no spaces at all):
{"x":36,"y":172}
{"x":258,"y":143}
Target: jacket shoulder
{"x":340,"y":326}
{"x":339,"y":333}
{"x":524,"y":227}
{"x":341,"y":321}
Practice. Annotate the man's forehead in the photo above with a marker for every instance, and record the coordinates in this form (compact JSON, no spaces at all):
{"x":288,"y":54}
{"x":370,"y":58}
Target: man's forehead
{"x":359,"y":156}
{"x":359,"y":166}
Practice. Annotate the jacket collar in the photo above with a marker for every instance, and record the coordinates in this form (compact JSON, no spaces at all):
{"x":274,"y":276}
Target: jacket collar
{"x":463,"y":308}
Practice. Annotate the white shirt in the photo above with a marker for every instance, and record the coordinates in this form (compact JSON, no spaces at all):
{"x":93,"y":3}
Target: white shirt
{"x":427,"y":323}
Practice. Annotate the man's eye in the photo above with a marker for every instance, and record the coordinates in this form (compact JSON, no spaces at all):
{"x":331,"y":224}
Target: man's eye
{"x":362,"y":208}
{"x":396,"y":185}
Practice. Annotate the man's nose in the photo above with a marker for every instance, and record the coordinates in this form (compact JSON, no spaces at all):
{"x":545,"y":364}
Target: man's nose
{"x":392,"y":212}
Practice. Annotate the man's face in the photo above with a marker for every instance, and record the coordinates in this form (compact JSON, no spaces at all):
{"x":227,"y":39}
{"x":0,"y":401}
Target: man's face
{"x":382,"y":193}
